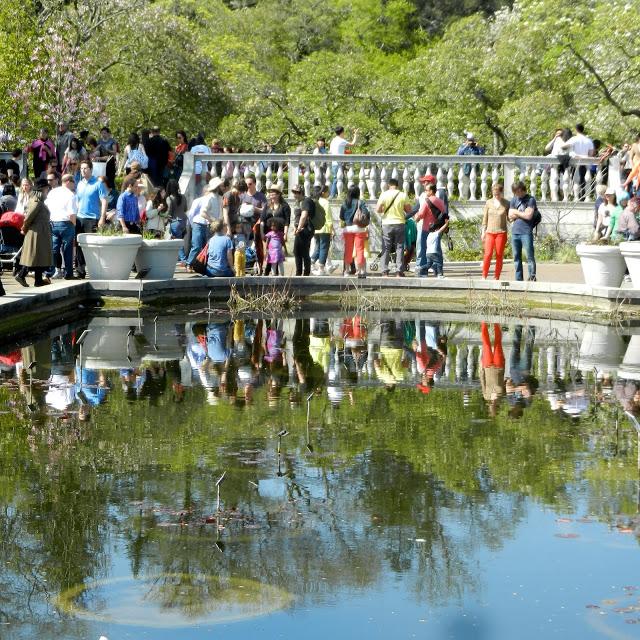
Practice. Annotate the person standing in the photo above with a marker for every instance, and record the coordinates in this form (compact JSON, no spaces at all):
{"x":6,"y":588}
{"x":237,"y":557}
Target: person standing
{"x":36,"y":250}
{"x":322,"y":236}
{"x":521,"y":211}
{"x":303,"y":212}
{"x":202,"y":213}
{"x":433,"y":217}
{"x":392,"y":206}
{"x":469,"y":148}
{"x":43,"y":151}
{"x":63,"y":208}
{"x":354,"y":235}
{"x":63,"y":139}
{"x":93,"y":203}
{"x":580,"y":146}
{"x":338,"y":147}
{"x":127,"y":207}
{"x":158,"y":149}
{"x":494,"y":230}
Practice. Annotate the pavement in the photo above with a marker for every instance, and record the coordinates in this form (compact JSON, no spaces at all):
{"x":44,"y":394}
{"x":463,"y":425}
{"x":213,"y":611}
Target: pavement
{"x":547,"y":272}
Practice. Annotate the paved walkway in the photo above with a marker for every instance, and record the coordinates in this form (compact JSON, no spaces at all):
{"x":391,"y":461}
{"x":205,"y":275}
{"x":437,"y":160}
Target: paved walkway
{"x":547,"y":272}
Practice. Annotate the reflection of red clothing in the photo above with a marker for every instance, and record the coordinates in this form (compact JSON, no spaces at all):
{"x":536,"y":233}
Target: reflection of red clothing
{"x":428,"y":360}
{"x":492,"y":357}
{"x":354,"y":328}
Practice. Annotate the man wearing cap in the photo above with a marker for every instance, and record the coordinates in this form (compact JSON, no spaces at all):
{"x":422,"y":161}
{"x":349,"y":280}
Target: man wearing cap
{"x":443,"y":195}
{"x":63,"y":208}
{"x":93,"y":201}
{"x":201,"y":214}
{"x":469,"y":148}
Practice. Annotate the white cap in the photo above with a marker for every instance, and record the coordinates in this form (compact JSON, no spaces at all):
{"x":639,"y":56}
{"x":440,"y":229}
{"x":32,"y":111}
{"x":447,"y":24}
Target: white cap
{"x":469,"y":135}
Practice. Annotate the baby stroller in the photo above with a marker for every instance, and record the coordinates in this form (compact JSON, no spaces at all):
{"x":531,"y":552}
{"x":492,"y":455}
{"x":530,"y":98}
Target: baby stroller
{"x":11,"y":240}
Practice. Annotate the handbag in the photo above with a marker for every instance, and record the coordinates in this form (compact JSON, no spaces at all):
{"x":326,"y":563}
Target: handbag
{"x":199,"y":265}
{"x":360,"y":218}
{"x":449,"y":242}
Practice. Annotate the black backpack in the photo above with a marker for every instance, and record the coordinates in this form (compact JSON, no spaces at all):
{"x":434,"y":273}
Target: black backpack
{"x":319,"y":216}
{"x":536,"y":219}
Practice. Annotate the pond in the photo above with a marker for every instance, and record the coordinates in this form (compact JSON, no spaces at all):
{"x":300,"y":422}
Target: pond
{"x":327,"y":475}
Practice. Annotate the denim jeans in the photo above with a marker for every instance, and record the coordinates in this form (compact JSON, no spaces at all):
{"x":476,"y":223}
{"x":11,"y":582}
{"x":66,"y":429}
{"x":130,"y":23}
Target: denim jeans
{"x":424,"y":263}
{"x":392,"y":238}
{"x":524,"y":241}
{"x":199,"y":237}
{"x":321,"y":252}
{"x":420,"y":249}
{"x":62,"y":236}
{"x":521,"y":361}
{"x":177,"y":233}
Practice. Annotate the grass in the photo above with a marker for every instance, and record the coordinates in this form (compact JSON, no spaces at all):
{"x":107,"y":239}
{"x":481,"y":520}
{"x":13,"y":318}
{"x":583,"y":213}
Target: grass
{"x":274,"y":299}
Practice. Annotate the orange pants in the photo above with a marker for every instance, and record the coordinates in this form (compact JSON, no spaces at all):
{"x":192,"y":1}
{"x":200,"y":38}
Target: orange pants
{"x":359,"y":240}
{"x":492,"y":357}
{"x":498,"y":242}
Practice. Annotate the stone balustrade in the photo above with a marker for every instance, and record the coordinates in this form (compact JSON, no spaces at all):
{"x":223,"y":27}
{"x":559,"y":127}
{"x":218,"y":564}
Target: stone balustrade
{"x":467,"y":179}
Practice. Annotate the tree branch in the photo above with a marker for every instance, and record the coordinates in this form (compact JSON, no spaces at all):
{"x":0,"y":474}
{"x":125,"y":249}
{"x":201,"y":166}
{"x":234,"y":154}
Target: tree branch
{"x":299,"y":132}
{"x":607,"y":94}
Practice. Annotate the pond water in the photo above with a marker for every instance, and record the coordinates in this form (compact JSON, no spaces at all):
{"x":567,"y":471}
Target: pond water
{"x":336,"y":475}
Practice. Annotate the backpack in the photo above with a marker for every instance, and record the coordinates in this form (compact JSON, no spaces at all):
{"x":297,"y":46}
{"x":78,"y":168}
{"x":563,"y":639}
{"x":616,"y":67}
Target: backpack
{"x":319,"y":216}
{"x":536,"y":219}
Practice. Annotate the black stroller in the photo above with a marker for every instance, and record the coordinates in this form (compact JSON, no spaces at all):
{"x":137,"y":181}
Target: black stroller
{"x":11,"y":240}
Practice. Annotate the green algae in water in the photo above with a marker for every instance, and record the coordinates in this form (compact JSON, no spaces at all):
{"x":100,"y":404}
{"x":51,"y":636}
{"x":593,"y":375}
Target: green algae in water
{"x":170,"y":600}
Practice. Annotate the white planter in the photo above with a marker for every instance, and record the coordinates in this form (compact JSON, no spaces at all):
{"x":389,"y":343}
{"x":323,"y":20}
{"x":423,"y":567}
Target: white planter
{"x":109,"y":257}
{"x":159,"y":257}
{"x":630,"y":368}
{"x":601,"y":348}
{"x":631,"y":254}
{"x":602,"y":265}
{"x":111,"y":345}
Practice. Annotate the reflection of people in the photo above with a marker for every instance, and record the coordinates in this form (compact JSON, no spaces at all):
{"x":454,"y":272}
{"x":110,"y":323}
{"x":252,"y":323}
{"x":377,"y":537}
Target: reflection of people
{"x":492,"y":370}
{"x":390,"y":366}
{"x":431,"y":350}
{"x":521,"y":385}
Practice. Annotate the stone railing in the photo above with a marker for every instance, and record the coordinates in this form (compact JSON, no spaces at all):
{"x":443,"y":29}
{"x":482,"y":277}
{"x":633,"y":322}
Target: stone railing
{"x":466,"y":178}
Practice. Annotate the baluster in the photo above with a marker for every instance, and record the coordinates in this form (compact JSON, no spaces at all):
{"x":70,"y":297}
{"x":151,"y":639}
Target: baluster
{"x":462,"y":190}
{"x":472,"y":361}
{"x":307,"y":184}
{"x":533,"y":185}
{"x":544,"y":185}
{"x":350,"y":176}
{"x":214,"y":172}
{"x":383,"y":179}
{"x":516,"y":174}
{"x":280,"y":176}
{"x":495,"y":174}
{"x":361,"y":180}
{"x":340,"y":180}
{"x":258,"y":177}
{"x":394,"y":172}
{"x":553,"y":182}
{"x":247,"y":171}
{"x":440,"y":178}
{"x":576,"y":185}
{"x":223,"y":173}
{"x":236,"y":171}
{"x":588,"y":187}
{"x":473,"y":182}
{"x":417,"y":185}
{"x":405,"y":179}
{"x":599,"y":175}
{"x":372,"y":182}
{"x":483,"y":182}
{"x":551,"y":362}
{"x":268,"y":175}
{"x":450,"y":184}
{"x":566,"y":184}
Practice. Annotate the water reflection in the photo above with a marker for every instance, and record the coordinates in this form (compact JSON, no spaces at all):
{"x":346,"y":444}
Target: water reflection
{"x":413,"y":447}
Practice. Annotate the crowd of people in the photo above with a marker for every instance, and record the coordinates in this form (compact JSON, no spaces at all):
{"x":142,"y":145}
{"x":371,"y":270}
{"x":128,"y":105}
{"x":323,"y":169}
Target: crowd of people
{"x":74,"y":191}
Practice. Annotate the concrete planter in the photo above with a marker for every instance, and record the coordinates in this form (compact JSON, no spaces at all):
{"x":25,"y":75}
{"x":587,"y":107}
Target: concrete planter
{"x":109,"y":257}
{"x":631,"y":254}
{"x":110,"y":344}
{"x":159,"y":257}
{"x":602,"y":265}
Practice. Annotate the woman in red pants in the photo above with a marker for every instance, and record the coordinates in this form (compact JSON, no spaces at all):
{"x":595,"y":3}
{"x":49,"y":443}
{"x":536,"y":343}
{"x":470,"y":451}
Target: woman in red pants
{"x":492,"y":371}
{"x":494,"y":230}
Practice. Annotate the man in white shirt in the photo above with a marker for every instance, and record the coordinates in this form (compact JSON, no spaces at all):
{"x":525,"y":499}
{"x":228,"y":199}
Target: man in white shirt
{"x":63,"y":206}
{"x":338,"y":147}
{"x":580,"y":146}
{"x":201,"y":214}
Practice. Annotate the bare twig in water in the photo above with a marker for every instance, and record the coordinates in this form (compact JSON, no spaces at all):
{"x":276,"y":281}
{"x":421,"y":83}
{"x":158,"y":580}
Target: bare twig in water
{"x":274,"y":299}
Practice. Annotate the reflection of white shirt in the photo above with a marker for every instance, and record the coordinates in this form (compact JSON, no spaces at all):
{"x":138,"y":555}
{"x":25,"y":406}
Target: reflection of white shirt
{"x":61,"y":392}
{"x":62,"y":204}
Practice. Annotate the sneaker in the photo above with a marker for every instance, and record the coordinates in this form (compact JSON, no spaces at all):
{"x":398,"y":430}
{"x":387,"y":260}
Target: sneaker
{"x":532,"y":279}
{"x":58,"y":274}
{"x":71,"y":277}
{"x":441,"y":275}
{"x":362,"y":275}
{"x":346,"y":274}
{"x":21,"y":280}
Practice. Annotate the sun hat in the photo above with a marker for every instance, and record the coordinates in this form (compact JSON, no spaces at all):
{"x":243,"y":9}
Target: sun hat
{"x":214,"y":183}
